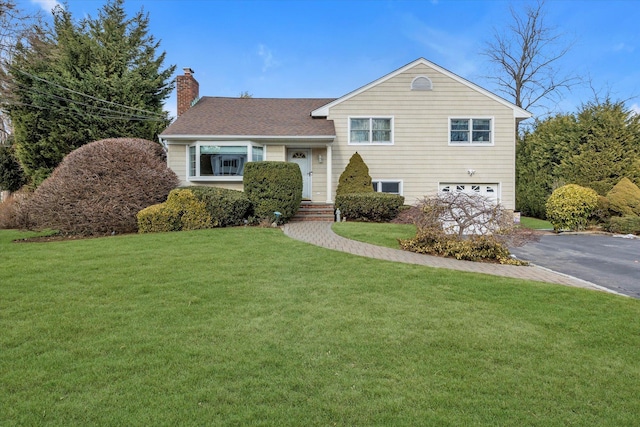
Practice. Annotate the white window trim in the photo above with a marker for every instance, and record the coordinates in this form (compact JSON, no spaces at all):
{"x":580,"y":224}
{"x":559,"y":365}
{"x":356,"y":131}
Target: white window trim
{"x":400,"y":183}
{"x":198,"y":144}
{"x":370,"y":117}
{"x":471,"y":143}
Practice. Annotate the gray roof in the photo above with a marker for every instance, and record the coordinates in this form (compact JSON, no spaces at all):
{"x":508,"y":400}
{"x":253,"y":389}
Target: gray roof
{"x":252,"y":117}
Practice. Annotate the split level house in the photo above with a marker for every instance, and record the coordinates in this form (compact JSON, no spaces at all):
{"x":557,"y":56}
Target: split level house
{"x":420,"y":129}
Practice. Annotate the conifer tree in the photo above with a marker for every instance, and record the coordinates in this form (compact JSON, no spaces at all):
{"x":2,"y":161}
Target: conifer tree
{"x":355,"y":177}
{"x":96,"y":79}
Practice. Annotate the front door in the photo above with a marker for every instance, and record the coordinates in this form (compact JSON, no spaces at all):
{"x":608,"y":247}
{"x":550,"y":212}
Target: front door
{"x":302,"y":157}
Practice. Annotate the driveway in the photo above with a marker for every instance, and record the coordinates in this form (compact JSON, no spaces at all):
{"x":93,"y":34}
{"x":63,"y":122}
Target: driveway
{"x":609,"y":261}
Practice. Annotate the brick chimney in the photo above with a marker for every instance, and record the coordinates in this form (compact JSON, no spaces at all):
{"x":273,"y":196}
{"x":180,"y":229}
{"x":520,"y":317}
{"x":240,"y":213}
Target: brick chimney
{"x":188,"y":90}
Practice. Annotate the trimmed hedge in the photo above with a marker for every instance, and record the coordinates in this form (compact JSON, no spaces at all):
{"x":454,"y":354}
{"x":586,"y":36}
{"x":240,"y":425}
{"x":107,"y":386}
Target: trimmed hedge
{"x":226,"y":207}
{"x":624,"y":225}
{"x":273,"y":186}
{"x":372,"y":207}
{"x":570,"y":206}
{"x":157,"y":218}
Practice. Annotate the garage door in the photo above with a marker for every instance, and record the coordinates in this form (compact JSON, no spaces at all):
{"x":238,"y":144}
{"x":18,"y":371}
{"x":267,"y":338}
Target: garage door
{"x":489,"y":191}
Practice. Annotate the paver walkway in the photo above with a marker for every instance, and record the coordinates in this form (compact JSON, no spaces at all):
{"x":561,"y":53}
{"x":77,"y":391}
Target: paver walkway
{"x":321,"y":234}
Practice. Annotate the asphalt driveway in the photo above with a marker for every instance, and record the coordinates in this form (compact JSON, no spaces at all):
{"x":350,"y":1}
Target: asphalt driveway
{"x":609,"y":261}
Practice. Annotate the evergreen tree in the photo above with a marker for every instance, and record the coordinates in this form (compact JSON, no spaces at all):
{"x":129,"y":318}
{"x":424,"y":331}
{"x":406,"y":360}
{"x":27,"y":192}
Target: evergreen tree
{"x":11,"y":176}
{"x":355,"y":177}
{"x":594,"y":148}
{"x":96,"y":79}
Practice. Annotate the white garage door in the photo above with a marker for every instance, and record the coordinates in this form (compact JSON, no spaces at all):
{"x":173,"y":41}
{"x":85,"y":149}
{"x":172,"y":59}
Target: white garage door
{"x":487,"y":190}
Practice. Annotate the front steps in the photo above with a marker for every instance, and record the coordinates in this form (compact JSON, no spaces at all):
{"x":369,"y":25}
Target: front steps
{"x":310,"y":211}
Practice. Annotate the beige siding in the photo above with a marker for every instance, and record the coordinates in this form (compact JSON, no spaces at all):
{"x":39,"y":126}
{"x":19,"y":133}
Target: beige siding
{"x":177,"y":161}
{"x":276,"y":153}
{"x":421,"y":156}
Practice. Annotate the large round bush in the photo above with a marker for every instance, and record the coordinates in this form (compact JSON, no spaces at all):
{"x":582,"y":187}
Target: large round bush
{"x":100,"y":187}
{"x":569,"y":207}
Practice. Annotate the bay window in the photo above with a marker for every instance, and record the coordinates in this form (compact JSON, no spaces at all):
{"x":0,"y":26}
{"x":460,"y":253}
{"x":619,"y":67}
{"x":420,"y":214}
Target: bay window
{"x":220,"y":162}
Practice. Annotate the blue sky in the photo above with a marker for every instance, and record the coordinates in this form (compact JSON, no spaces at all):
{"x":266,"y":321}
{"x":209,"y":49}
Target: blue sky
{"x":323,"y":48}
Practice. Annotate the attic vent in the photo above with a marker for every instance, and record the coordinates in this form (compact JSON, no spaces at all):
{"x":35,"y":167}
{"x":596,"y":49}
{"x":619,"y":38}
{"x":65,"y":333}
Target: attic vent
{"x":421,"y":83}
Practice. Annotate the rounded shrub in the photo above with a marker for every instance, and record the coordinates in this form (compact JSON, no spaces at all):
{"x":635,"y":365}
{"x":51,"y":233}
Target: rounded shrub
{"x":355,"y":178}
{"x":373,"y":207}
{"x":273,"y":187}
{"x":100,"y":187}
{"x":624,"y":198}
{"x":157,"y":218}
{"x":570,"y":206}
{"x":192,"y":213}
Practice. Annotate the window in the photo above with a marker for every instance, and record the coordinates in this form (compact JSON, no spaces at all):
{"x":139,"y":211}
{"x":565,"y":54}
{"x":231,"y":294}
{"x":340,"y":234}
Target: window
{"x":470,"y":131}
{"x":221,"y":162}
{"x":372,"y":130}
{"x":421,"y":83}
{"x":384,"y":186}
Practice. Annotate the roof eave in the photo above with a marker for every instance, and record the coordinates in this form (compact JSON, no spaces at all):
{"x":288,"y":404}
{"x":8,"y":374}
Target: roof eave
{"x":265,"y":138}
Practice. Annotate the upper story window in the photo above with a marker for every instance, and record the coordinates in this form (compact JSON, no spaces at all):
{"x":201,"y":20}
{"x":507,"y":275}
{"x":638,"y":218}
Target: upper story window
{"x":470,"y":131}
{"x":221,"y":162}
{"x":371,"y":130}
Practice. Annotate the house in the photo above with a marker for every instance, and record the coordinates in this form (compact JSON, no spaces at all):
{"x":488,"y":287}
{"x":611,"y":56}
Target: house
{"x":420,"y":129}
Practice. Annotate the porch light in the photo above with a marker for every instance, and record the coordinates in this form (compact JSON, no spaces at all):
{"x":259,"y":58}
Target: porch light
{"x":471,"y":171}
{"x":319,"y":158}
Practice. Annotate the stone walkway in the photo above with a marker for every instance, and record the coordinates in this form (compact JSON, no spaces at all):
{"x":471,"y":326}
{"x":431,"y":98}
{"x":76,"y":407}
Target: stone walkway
{"x":321,"y":234}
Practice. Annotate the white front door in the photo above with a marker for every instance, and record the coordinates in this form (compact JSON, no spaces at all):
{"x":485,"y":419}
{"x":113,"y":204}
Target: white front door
{"x":302,"y":157}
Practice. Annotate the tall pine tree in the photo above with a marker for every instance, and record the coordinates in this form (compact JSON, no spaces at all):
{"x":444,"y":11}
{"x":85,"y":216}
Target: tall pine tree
{"x":99,"y":78}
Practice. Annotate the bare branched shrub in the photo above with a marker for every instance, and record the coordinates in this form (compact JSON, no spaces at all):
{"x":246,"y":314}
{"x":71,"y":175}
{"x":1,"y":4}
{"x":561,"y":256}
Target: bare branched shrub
{"x":100,"y":187}
{"x":465,"y":226}
{"x":12,"y":212}
{"x":464,"y":213}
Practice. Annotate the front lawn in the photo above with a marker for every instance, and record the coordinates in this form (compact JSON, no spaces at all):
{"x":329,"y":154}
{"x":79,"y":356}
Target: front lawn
{"x":245,"y":326}
{"x":380,"y":234}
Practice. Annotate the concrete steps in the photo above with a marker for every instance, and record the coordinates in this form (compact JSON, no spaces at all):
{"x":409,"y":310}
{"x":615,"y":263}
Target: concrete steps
{"x":314,"y":212}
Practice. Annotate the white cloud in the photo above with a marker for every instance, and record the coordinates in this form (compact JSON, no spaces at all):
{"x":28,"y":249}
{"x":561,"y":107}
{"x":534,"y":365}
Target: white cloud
{"x":267,"y":57}
{"x":635,"y":108}
{"x":47,"y":5}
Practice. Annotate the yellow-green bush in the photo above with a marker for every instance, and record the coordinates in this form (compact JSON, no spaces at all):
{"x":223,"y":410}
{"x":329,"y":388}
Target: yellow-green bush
{"x":157,"y":218}
{"x":624,"y":198}
{"x":569,"y":207}
{"x":192,"y":212}
{"x":181,"y":211}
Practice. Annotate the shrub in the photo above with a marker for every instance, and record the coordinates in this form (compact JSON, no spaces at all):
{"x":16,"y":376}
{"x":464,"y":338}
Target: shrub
{"x":181,"y":211}
{"x":432,"y":241}
{"x":100,"y":187}
{"x":570,"y":206}
{"x":355,"y":177}
{"x":191,"y":212}
{"x":273,"y":186}
{"x":624,"y":198}
{"x":374,"y":207}
{"x":157,"y":218}
{"x":12,"y":212}
{"x":601,"y":213}
{"x":226,"y":207}
{"x":624,"y":225}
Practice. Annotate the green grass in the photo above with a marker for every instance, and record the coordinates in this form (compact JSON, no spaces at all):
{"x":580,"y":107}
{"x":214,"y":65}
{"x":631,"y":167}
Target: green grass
{"x":244,"y":326}
{"x":535,"y":223}
{"x":384,"y":234}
